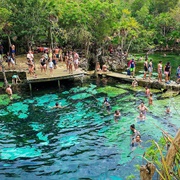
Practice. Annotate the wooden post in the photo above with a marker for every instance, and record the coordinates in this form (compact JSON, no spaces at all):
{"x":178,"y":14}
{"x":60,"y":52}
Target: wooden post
{"x":30,"y":88}
{"x":59,"y":85}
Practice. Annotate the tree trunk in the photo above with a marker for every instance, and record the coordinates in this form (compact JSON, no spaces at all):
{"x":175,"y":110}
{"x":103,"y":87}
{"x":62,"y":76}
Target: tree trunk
{"x":9,"y":40}
{"x":147,"y":171}
{"x":87,"y":49}
{"x":3,"y":72}
{"x":4,"y":76}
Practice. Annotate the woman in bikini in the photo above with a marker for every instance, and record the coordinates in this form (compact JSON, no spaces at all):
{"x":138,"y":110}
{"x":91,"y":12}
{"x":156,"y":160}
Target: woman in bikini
{"x":160,"y":71}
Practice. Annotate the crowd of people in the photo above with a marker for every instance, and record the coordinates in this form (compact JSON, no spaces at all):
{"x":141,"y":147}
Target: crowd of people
{"x":50,"y":58}
{"x":142,"y":109}
{"x":148,"y":69}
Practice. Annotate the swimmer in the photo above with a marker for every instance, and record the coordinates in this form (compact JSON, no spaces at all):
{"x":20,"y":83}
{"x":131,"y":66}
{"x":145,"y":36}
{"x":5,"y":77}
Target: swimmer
{"x":168,"y":111}
{"x":136,"y":141}
{"x":117,"y":115}
{"x":57,"y":105}
{"x":133,"y":132}
{"x":143,"y":108}
{"x":141,"y":117}
{"x":150,"y":99}
{"x":108,"y":106}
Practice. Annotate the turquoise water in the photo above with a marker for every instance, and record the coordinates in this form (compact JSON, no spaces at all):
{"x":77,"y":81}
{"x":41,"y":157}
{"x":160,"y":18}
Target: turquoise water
{"x":81,"y":140}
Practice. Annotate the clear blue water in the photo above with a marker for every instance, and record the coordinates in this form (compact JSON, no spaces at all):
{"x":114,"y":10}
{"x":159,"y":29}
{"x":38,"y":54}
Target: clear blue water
{"x":80,"y":141}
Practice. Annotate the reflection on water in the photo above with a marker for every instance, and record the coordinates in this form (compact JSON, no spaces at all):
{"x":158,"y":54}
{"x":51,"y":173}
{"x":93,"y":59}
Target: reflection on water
{"x":80,"y":140}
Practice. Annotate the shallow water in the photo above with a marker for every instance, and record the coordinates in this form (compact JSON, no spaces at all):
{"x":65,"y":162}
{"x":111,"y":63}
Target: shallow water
{"x":80,"y":141}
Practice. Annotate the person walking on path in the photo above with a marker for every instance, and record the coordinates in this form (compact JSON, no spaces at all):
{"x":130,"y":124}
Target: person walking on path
{"x":13,"y":51}
{"x":132,"y":68}
{"x":167,"y":72}
{"x":150,"y":69}
{"x":145,"y":68}
{"x":160,"y":71}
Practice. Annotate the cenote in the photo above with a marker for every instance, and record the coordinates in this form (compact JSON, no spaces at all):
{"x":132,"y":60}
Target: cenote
{"x":81,"y":140}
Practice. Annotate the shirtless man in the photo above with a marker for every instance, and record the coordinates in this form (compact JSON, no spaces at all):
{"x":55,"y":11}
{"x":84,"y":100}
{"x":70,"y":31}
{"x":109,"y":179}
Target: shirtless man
{"x":9,"y":91}
{"x":143,"y":108}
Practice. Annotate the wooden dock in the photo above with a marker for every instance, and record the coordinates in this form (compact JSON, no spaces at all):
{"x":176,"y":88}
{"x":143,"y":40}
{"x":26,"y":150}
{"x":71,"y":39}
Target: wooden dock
{"x":58,"y":74}
{"x":151,"y":84}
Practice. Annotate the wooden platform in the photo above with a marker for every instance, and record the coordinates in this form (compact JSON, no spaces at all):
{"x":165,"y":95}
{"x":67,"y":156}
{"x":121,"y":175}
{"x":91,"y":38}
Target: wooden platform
{"x":151,"y":84}
{"x":58,"y":74}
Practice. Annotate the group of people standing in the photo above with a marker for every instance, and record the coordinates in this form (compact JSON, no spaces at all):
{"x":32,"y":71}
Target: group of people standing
{"x":50,"y":58}
{"x":167,"y":72}
{"x":148,"y":69}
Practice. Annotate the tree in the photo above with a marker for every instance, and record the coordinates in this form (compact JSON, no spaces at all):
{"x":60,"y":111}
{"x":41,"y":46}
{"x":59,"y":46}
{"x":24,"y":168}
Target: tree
{"x":4,"y":15}
{"x":126,"y":30}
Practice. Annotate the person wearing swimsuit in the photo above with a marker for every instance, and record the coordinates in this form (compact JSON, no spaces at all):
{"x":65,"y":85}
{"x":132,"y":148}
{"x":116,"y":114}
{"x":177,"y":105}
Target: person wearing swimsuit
{"x":167,"y":72}
{"x":150,"y":69}
{"x":145,"y":68}
{"x":43,"y":64}
{"x":160,"y":71}
{"x":143,"y":108}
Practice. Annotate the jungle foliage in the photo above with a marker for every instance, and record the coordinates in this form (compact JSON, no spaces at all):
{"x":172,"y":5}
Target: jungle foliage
{"x":133,"y":24}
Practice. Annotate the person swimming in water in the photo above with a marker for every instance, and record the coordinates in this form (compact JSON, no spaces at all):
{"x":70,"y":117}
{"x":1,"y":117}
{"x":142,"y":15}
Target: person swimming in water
{"x":141,"y":117}
{"x":136,"y":141}
{"x":57,"y":105}
{"x":133,"y":132}
{"x":143,"y":108}
{"x":168,"y":110}
{"x":117,"y":115}
{"x":108,"y":106}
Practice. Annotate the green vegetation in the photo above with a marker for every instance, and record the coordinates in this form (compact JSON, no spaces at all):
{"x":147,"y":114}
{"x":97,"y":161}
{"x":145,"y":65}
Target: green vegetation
{"x":4,"y":99}
{"x":133,"y":25}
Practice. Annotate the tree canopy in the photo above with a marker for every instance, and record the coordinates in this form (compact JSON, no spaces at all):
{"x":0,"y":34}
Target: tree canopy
{"x":134,"y":25}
